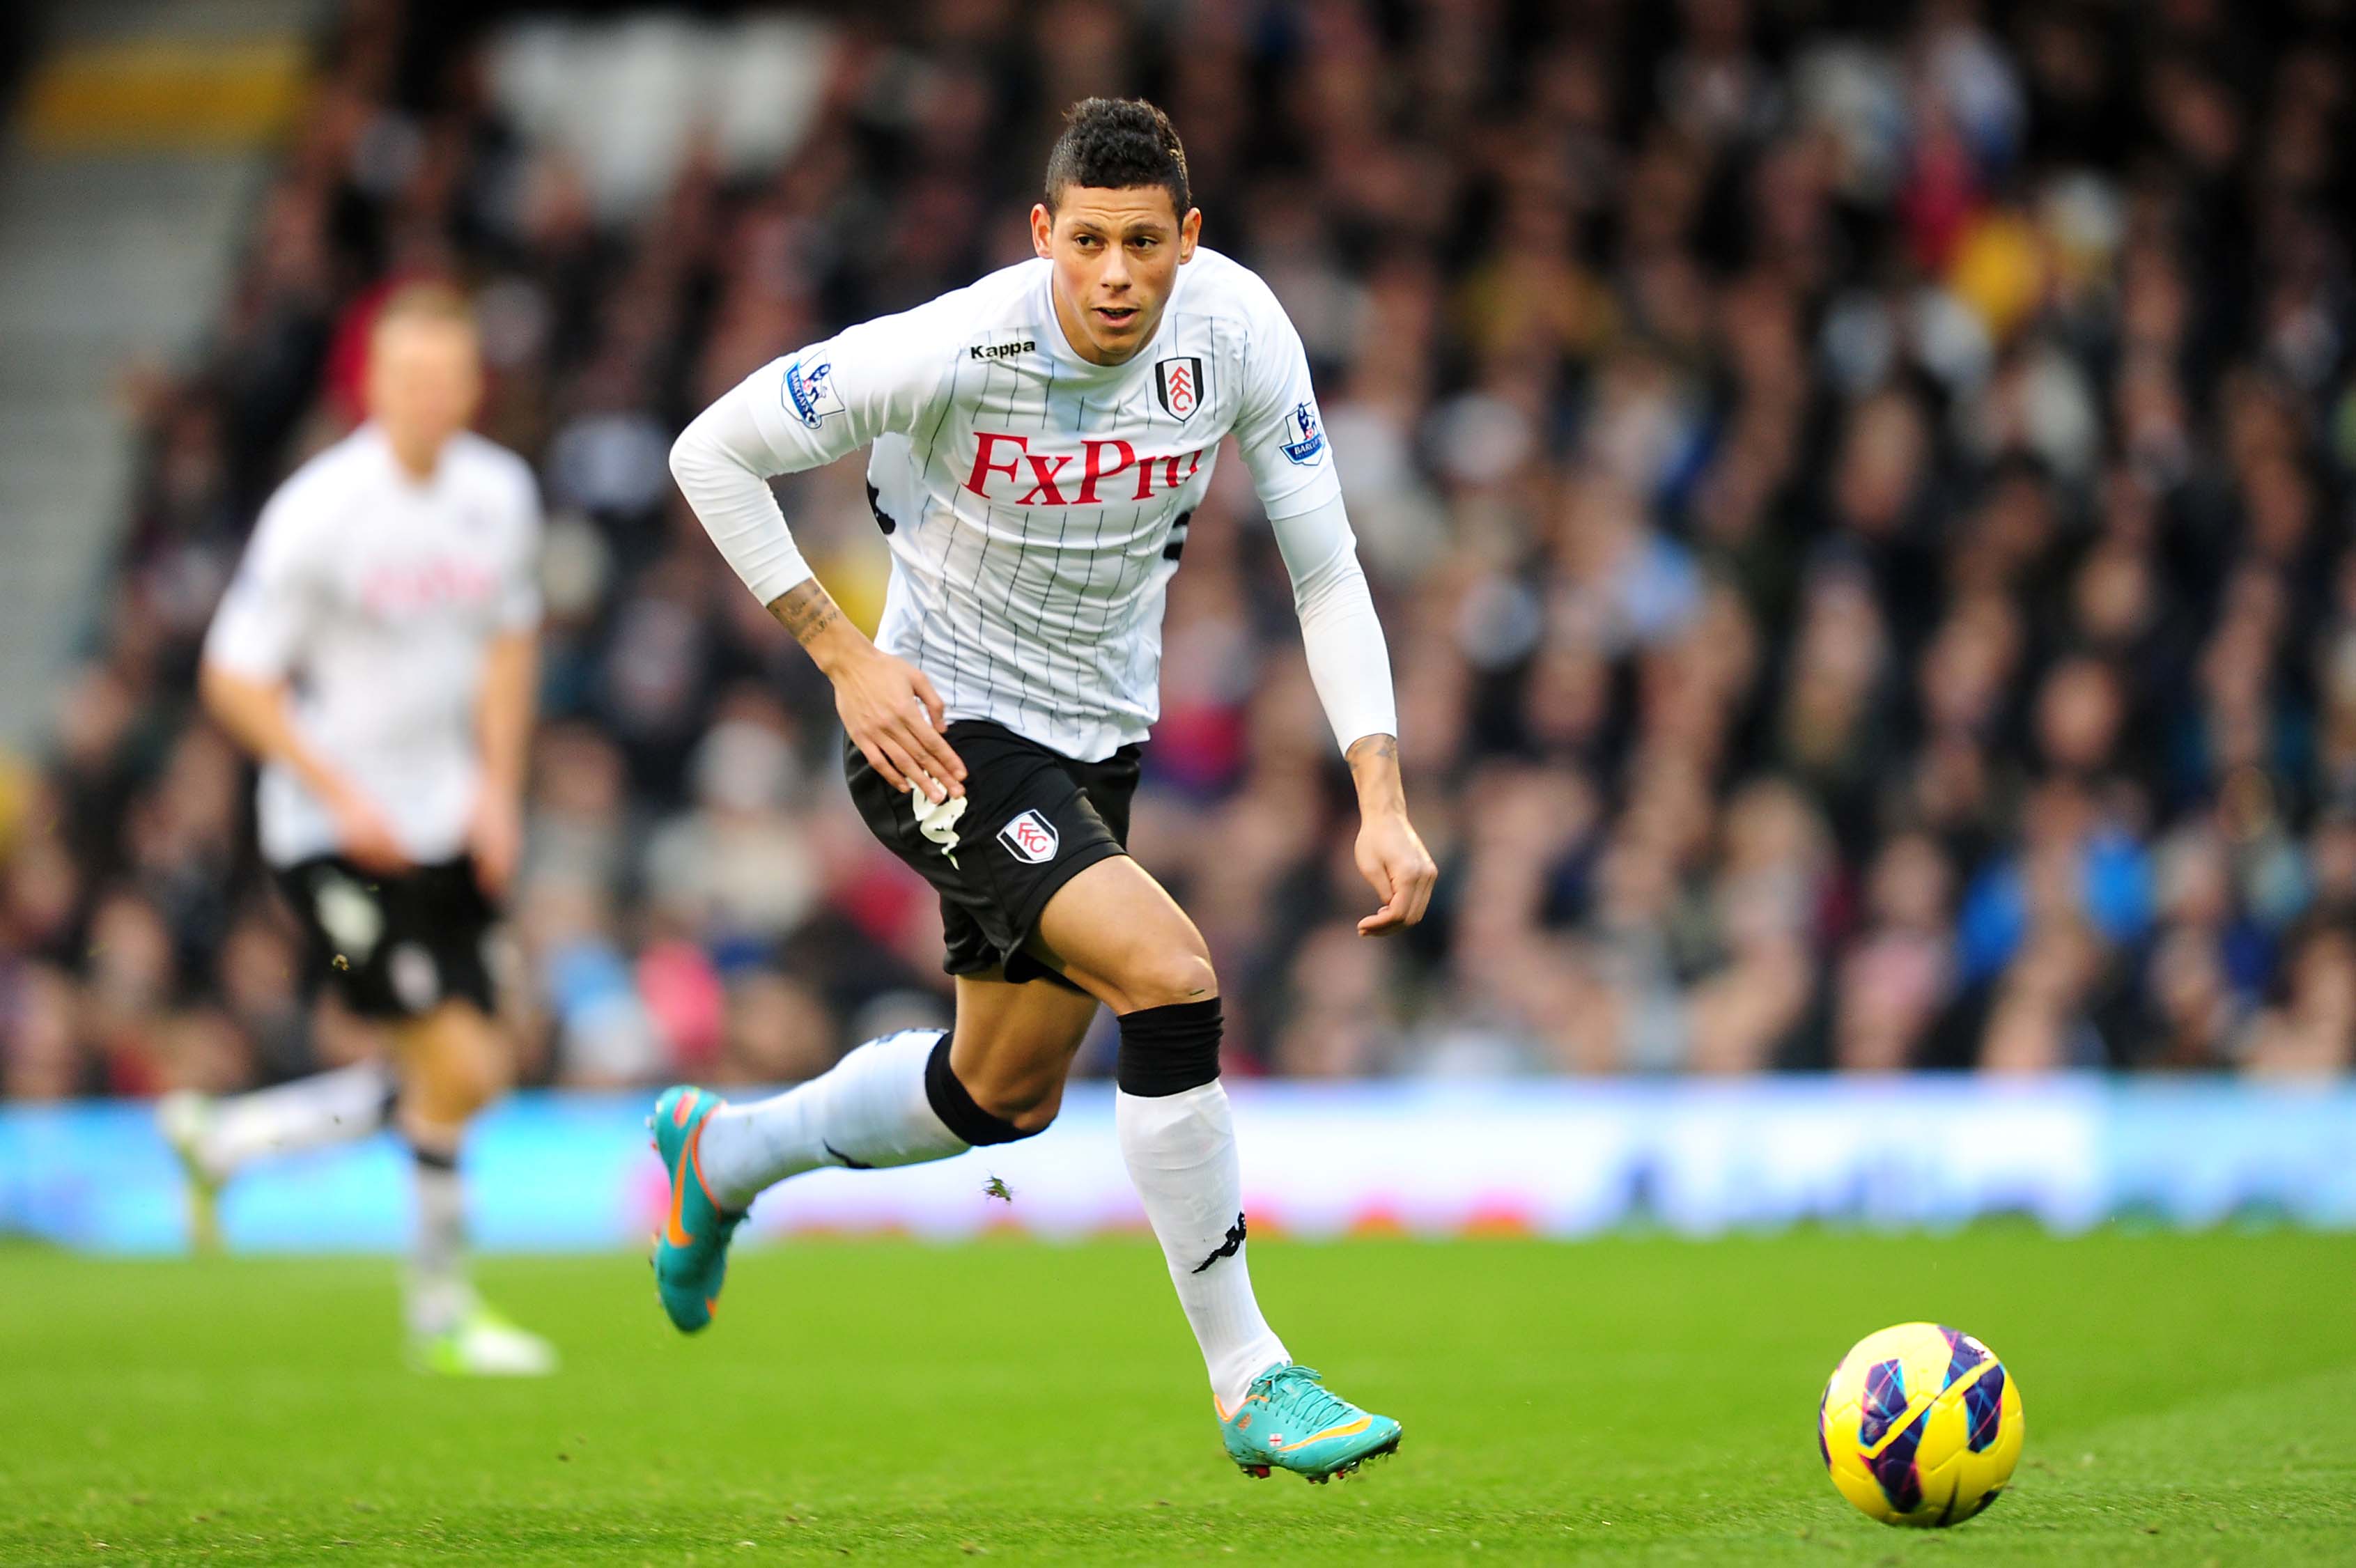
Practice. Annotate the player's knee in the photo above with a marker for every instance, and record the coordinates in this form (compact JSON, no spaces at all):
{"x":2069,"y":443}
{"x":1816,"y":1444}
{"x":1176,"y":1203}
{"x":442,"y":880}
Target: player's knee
{"x":479,"y":1080}
{"x":1028,"y":1106}
{"x":462,"y":1072}
{"x":1169,"y":978}
{"x":1170,"y":1049}
{"x":995,"y":1110}
{"x":447,"y":1097}
{"x":472,"y":1087}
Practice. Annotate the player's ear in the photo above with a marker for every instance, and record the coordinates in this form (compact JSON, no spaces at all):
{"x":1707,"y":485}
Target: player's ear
{"x":1190,"y":232}
{"x":1042,"y":228}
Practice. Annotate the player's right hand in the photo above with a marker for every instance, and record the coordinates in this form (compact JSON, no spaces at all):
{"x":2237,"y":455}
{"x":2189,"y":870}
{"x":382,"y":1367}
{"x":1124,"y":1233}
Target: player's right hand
{"x":365,"y":833}
{"x":894,"y":716}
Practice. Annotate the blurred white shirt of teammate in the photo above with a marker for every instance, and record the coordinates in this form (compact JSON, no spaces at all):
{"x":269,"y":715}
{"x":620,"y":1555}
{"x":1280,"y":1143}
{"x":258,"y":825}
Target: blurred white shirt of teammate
{"x":382,"y":593}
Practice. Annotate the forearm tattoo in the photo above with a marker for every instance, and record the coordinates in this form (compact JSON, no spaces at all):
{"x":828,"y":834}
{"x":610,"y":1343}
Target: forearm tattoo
{"x":1375,"y":748}
{"x":805,"y":611}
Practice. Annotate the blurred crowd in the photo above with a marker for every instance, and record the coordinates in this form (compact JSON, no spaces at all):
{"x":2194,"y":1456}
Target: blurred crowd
{"x":1859,"y":496}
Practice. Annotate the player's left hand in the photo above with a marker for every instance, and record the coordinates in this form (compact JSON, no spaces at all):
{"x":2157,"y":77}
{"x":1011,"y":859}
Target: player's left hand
{"x":495,"y":838}
{"x":1392,"y":858}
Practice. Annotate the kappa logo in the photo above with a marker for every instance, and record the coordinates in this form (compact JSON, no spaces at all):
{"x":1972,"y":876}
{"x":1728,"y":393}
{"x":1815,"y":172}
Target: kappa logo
{"x":938,"y":820}
{"x":1032,"y":837}
{"x":1309,"y":440}
{"x":1179,"y":386}
{"x":353,"y":921}
{"x":1226,"y":1249}
{"x":1006,"y":346}
{"x":811,"y":391}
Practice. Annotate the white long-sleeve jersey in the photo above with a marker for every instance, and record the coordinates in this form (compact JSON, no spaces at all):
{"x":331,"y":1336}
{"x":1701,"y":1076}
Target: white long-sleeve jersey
{"x":376,"y":596}
{"x":1036,"y":503}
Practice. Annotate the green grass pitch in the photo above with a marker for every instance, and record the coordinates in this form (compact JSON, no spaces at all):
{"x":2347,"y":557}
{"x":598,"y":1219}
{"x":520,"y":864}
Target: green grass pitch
{"x":2190,"y":1400}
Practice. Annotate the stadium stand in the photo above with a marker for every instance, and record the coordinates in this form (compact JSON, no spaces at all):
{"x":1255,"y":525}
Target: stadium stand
{"x":1860,"y":497}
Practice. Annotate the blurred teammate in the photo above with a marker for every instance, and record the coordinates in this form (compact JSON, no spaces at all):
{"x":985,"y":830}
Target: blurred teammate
{"x":1040,"y":441}
{"x":376,"y":655}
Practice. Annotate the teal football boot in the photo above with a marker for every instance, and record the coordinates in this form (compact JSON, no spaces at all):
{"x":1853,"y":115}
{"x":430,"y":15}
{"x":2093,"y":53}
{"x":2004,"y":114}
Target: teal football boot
{"x":1288,"y":1421}
{"x":691,"y":1249}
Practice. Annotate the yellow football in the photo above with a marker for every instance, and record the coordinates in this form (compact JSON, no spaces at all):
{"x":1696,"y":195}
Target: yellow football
{"x":1919,"y":1424}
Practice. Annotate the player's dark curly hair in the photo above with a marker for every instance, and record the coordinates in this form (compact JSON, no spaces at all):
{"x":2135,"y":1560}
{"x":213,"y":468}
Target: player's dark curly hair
{"x":1118,"y":143}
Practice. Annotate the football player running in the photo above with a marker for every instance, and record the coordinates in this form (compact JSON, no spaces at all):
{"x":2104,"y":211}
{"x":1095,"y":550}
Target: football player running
{"x":376,"y":655}
{"x":1039,"y":442}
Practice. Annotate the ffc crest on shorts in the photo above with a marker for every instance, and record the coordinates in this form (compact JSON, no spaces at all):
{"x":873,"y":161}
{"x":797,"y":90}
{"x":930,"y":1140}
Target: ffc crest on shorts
{"x":1179,"y":386}
{"x":1030,"y":836}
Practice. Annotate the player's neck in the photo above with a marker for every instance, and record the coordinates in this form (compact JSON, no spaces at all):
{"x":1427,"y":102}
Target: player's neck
{"x":417,"y":457}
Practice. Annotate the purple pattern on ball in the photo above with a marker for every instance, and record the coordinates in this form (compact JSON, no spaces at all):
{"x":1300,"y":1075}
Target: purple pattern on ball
{"x":1893,"y":1467}
{"x":1884,"y":1403}
{"x":1964,"y":1354}
{"x":1984,"y":1408}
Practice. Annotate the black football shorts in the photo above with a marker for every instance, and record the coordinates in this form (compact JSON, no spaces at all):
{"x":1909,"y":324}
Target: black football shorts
{"x":394,"y":947}
{"x":1034,"y":819}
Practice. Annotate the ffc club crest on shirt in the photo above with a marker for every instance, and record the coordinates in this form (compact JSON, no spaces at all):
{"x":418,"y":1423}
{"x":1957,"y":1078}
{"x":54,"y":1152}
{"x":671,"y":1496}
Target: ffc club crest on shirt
{"x":1178,"y":385}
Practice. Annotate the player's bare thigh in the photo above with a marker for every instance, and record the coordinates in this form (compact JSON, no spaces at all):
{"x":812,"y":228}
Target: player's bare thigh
{"x":1014,"y":1044}
{"x":1117,"y":933}
{"x":1113,"y":931}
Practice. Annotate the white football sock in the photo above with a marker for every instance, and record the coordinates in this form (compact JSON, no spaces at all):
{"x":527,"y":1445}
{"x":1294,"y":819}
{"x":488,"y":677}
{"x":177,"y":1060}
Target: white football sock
{"x":342,"y":1106}
{"x":437,"y":1291}
{"x":1181,"y":1150}
{"x":869,"y":1109}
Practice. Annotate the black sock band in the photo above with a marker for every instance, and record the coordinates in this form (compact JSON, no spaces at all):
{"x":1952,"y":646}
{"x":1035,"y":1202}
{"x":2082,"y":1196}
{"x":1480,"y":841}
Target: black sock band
{"x":433,"y":1158}
{"x":1168,"y":1050}
{"x":957,"y":1109}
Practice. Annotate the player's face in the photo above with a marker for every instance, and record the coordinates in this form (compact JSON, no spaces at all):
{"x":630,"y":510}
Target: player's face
{"x":425,"y":381}
{"x":1117,"y":255}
